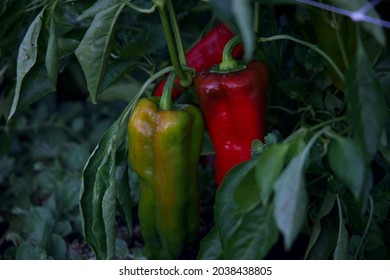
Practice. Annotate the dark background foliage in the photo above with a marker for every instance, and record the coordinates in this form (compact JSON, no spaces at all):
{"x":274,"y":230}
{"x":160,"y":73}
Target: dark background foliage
{"x":58,"y":101}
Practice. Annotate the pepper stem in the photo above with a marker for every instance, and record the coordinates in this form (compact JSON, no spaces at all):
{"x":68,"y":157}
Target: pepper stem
{"x":229,"y":63}
{"x":166,"y":98}
{"x":176,"y":55}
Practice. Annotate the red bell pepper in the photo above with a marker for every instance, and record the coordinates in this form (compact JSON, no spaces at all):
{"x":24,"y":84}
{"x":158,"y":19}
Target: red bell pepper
{"x":234,"y":108}
{"x":206,"y":53}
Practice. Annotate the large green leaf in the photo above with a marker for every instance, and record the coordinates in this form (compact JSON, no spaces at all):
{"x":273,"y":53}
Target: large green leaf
{"x":290,"y":194}
{"x":348,"y":164}
{"x":238,"y":13}
{"x":246,"y":226}
{"x":52,"y":53}
{"x":326,"y":206}
{"x":97,"y":180}
{"x":291,"y":199}
{"x":94,"y":49}
{"x":268,"y":169}
{"x":367,"y":105}
{"x":124,"y":203}
{"x":27,"y":57}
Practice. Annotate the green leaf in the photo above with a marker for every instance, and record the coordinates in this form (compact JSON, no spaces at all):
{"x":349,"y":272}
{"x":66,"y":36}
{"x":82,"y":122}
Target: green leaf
{"x":52,"y":53}
{"x":290,"y":194}
{"x":124,"y":204}
{"x":57,"y":247}
{"x":291,"y":200}
{"x":326,"y":206}
{"x":94,"y":49}
{"x":327,"y":239}
{"x":41,"y":223}
{"x":246,"y":227}
{"x":97,"y":179}
{"x":104,"y":204}
{"x":238,"y":13}
{"x":268,"y":168}
{"x":254,"y":235}
{"x":27,"y":56}
{"x":348,"y":164}
{"x":36,"y":84}
{"x":114,"y":72}
{"x":99,"y":6}
{"x":367,"y":104}
{"x":243,"y":14}
{"x":26,"y":251}
{"x":210,"y":246}
{"x":99,"y":190}
{"x":375,"y":30}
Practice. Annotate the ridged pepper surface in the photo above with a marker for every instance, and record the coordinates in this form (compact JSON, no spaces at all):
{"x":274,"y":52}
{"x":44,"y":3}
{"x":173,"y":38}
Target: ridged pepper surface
{"x":234,"y":109}
{"x":164,"y":150}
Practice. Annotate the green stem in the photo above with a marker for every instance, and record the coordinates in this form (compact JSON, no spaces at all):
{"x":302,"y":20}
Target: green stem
{"x":176,"y":33}
{"x":166,"y":98}
{"x":325,"y":123}
{"x":256,"y":17}
{"x":185,"y":80}
{"x":340,"y":40}
{"x":309,"y":45}
{"x":229,"y":63}
{"x":138,"y":9}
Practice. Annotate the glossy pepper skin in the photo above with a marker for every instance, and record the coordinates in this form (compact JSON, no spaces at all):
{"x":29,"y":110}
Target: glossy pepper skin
{"x":206,"y":53}
{"x":164,"y":151}
{"x":234,"y":109}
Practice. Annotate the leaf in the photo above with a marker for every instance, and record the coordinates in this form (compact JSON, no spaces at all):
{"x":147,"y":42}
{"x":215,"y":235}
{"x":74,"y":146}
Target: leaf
{"x":99,"y":6}
{"x":94,"y":49}
{"x":36,"y":84}
{"x":26,"y":251}
{"x":223,"y":203}
{"x":268,"y":168}
{"x":41,"y":222}
{"x":326,"y":207}
{"x":52,"y":53}
{"x":254,"y":235}
{"x":210,"y":246}
{"x":243,"y":13}
{"x":291,"y":200}
{"x":327,"y":239}
{"x":27,"y":56}
{"x":124,"y":204}
{"x":97,"y":179}
{"x":348,"y":164}
{"x":246,"y":227}
{"x":57,"y":247}
{"x":290,"y":193}
{"x":238,"y":13}
{"x":366,"y":101}
{"x":104,"y":204}
{"x":114,"y":72}
{"x":99,"y":190}
{"x":354,"y":6}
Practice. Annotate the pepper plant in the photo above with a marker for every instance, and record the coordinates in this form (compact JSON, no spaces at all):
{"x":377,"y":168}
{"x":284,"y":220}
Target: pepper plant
{"x":308,"y":173}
